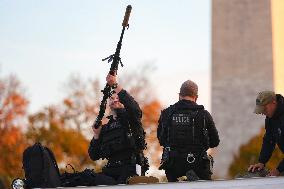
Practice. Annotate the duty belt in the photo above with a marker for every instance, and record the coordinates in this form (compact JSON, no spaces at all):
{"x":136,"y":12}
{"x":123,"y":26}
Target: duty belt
{"x":190,"y":156}
{"x":113,"y":163}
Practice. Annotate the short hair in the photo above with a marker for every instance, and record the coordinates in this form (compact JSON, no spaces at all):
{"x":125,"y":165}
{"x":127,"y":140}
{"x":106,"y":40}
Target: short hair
{"x":188,"y":88}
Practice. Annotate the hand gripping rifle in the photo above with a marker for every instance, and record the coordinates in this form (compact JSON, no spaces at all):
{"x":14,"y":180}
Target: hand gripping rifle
{"x":115,"y":59}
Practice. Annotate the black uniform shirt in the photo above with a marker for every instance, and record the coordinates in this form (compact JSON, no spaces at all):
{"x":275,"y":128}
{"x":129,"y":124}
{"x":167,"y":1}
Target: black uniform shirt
{"x":274,"y":134}
{"x":164,"y":124}
{"x":130,"y":115}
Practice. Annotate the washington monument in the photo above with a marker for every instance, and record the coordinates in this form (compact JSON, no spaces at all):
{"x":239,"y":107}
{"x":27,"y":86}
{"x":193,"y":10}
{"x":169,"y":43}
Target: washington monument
{"x":247,"y":37}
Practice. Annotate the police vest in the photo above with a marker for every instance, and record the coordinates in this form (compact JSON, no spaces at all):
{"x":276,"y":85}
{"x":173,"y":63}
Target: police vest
{"x":116,"y":138}
{"x":187,"y":130}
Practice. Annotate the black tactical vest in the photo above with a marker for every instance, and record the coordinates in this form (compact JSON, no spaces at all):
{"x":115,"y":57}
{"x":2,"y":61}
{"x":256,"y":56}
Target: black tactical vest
{"x":116,"y":138}
{"x":187,"y":130}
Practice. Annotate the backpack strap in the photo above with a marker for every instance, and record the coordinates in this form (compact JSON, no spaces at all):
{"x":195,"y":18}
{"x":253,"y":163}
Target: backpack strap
{"x":205,"y":133}
{"x":172,"y":110}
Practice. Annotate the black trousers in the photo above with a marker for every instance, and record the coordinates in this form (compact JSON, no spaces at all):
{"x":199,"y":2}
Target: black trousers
{"x":178,"y":166}
{"x":119,"y":174}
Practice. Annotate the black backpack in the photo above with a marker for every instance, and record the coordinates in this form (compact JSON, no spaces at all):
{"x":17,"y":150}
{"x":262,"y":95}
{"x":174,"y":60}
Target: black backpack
{"x":40,"y":166}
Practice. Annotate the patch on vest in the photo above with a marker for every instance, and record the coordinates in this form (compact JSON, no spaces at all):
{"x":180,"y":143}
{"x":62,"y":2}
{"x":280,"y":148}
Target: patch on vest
{"x":181,"y":119}
{"x":114,"y":125}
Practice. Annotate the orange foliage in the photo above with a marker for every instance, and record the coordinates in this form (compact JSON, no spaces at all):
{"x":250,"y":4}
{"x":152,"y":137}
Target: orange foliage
{"x":13,"y":106}
{"x":68,"y":102}
{"x":61,"y":127}
{"x":13,"y":143}
{"x":80,"y":106}
{"x":151,"y":113}
{"x":69,"y":145}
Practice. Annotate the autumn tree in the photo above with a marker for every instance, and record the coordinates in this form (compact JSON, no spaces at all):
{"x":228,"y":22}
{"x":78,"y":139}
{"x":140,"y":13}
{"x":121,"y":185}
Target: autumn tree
{"x":13,"y":103}
{"x":66,"y":126}
{"x":69,"y":145}
{"x":151,"y":113}
{"x":81,"y":103}
{"x":13,"y":110}
{"x":249,"y":153}
{"x":137,"y":82}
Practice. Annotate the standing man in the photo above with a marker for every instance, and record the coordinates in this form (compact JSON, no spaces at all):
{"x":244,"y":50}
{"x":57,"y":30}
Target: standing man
{"x":272,"y":106}
{"x":186,"y":131}
{"x":122,"y":140}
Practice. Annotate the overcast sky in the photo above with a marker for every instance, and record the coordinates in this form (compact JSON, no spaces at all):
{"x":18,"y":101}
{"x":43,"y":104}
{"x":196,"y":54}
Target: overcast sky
{"x":45,"y":41}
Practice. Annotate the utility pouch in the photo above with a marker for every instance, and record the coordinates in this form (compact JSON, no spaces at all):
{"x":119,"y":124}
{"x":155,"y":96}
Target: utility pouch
{"x":166,"y":154}
{"x":165,"y":158}
{"x":211,"y":161}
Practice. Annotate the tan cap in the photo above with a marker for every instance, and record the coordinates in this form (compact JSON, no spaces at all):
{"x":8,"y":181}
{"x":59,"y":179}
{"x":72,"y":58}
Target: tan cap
{"x":263,"y":98}
{"x":188,"y":88}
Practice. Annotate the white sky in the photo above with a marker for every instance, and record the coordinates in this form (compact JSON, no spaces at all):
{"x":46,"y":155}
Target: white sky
{"x":45,"y":41}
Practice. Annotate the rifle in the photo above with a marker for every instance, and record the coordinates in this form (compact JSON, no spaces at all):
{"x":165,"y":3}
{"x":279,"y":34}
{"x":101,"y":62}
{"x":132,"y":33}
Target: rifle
{"x":115,"y":59}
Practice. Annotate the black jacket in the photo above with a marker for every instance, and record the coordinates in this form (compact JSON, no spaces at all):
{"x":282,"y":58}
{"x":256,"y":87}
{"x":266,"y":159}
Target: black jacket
{"x":163,"y":122}
{"x":130,"y":115}
{"x":274,"y":134}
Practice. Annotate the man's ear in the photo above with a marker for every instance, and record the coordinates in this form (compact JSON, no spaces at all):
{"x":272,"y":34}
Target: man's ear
{"x":196,"y":97}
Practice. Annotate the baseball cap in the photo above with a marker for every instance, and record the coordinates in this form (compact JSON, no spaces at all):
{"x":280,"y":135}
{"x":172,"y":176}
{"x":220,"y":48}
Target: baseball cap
{"x":263,"y":98}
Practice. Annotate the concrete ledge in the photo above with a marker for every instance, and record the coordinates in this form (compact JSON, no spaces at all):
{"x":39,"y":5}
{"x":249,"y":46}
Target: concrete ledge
{"x":251,"y":183}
